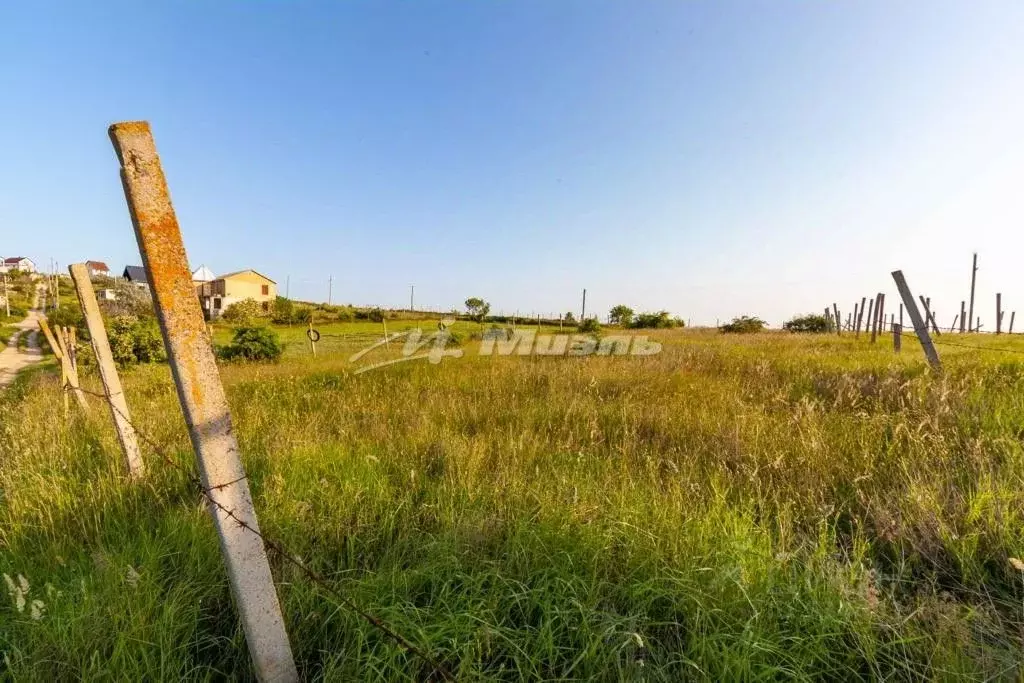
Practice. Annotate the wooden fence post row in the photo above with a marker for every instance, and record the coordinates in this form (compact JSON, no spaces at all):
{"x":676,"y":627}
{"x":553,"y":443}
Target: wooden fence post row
{"x":203,"y":401}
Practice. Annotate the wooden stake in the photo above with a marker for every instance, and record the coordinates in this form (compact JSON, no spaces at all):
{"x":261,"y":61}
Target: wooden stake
{"x":860,"y":317}
{"x":309,"y":335}
{"x":871,"y":313}
{"x":897,"y":337}
{"x":856,"y":311}
{"x":875,"y":318}
{"x":974,"y":274}
{"x":901,"y":315}
{"x":999,"y":313}
{"x":920,"y":327}
{"x":203,"y":401}
{"x":839,"y":320}
{"x":387,"y":344}
{"x":929,"y":318}
{"x":963,"y":316}
{"x":108,"y":372}
{"x":1013,"y":314}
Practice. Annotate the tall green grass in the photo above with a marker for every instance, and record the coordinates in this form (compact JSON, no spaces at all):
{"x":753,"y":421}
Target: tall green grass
{"x":746,"y":508}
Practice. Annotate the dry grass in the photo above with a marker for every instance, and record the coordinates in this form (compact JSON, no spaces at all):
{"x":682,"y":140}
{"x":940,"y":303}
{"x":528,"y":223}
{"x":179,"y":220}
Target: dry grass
{"x":754,"y":507}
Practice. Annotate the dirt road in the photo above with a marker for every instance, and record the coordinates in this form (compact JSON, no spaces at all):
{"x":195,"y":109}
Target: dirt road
{"x":13,"y":359}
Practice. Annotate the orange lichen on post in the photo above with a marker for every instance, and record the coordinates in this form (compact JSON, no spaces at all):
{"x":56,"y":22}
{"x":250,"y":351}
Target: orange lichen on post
{"x":203,"y":400}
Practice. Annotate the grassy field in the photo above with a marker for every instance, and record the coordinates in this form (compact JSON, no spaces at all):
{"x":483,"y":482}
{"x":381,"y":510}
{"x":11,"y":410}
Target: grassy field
{"x":753,"y":507}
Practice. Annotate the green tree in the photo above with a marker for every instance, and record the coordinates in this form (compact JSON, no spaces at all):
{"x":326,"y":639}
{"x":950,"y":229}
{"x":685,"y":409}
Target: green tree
{"x":621,"y":315}
{"x":477,"y":308}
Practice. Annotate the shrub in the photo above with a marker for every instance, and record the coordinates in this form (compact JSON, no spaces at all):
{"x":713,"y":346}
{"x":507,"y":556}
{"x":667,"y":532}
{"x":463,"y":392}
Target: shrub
{"x":659,"y":320}
{"x":745,"y":324}
{"x":375,"y":315}
{"x":812,"y":322}
{"x":590,"y":326}
{"x":134,"y":341}
{"x":242,"y":312}
{"x":283,"y":312}
{"x":477,"y":308}
{"x":253,"y":344}
{"x":569,"y":318}
{"x":68,"y":315}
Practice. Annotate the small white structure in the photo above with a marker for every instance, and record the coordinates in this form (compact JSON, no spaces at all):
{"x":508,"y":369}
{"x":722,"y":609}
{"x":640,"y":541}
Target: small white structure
{"x":203,"y":274}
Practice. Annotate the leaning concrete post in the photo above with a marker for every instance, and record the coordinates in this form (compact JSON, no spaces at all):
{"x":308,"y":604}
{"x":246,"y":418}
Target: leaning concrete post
{"x":920,"y":326}
{"x":203,"y":401}
{"x":108,"y":372}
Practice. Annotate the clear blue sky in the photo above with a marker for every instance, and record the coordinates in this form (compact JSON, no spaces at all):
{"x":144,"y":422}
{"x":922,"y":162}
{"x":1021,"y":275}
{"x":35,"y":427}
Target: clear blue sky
{"x":709,"y":158}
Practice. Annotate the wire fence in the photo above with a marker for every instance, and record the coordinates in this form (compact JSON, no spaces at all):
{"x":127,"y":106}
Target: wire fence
{"x":438,"y":670}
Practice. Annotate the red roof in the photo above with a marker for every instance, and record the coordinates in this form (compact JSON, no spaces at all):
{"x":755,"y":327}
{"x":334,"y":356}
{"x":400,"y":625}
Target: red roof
{"x":97,"y":265}
{"x":15,"y":259}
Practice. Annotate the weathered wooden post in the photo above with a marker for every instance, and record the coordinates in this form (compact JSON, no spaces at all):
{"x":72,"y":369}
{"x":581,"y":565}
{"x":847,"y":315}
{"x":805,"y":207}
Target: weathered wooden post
{"x":108,"y":372}
{"x":929,"y":318}
{"x":901,"y":315}
{"x":310,"y":334}
{"x":881,"y":312}
{"x":963,"y":316}
{"x":897,"y":337}
{"x":920,"y":326}
{"x":974,"y":274}
{"x":1013,"y":314}
{"x":855,"y":312}
{"x":953,"y":326}
{"x":999,"y":313}
{"x":839,"y":320}
{"x":203,"y":401}
{"x":860,"y":317}
{"x":387,"y":344}
{"x":875,"y":318}
{"x":871,"y":313}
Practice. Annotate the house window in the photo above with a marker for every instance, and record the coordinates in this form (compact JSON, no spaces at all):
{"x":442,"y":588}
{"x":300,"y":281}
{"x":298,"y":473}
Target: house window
{"x":266,"y":290}
{"x":216,"y":304}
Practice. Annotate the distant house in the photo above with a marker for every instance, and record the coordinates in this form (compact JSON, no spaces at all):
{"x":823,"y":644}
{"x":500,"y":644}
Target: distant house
{"x":97,"y":269}
{"x":106,"y":295}
{"x":136,"y":275}
{"x":20,"y":263}
{"x":217,"y":294}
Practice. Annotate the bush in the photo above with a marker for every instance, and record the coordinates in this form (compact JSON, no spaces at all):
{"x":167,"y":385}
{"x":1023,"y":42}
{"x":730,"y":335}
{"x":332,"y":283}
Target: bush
{"x":68,"y":315}
{"x":745,"y":324}
{"x":590,"y":326}
{"x":242,"y":312}
{"x":375,"y":315}
{"x":134,"y":341}
{"x":253,"y":344}
{"x":812,"y":322}
{"x":659,"y":320}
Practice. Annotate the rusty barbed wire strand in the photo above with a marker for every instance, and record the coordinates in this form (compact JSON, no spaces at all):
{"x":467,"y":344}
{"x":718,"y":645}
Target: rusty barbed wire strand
{"x":272,"y":544}
{"x":940,"y":340}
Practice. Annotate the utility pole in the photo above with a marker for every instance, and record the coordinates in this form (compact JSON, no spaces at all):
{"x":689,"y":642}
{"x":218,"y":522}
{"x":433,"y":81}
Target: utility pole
{"x":288,"y":287}
{"x":7,"y":299}
{"x":330,"y":289}
{"x":974,"y":274}
{"x":583,"y":312}
{"x":412,"y":294}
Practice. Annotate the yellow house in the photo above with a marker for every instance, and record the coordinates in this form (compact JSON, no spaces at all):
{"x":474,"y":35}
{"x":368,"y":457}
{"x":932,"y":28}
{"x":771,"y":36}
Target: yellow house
{"x":216,"y":295}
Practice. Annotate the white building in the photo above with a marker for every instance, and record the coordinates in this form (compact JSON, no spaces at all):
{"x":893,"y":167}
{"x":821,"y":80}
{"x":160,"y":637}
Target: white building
{"x":20,"y":263}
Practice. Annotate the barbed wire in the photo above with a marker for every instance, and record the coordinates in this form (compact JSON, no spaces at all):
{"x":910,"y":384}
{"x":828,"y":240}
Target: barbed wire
{"x":943,"y":341}
{"x":437,"y":667}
